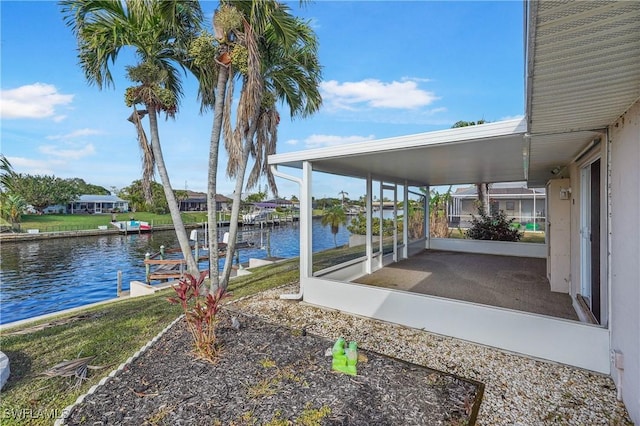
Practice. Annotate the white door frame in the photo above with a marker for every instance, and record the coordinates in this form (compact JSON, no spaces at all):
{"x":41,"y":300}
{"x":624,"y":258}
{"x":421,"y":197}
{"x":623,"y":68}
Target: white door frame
{"x":585,"y":231}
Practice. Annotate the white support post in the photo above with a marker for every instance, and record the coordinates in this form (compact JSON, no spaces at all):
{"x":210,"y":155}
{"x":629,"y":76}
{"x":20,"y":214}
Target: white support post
{"x":305,"y":226}
{"x":405,"y":222}
{"x":381,"y":233}
{"x":534,"y":210}
{"x":306,"y":217}
{"x":427,"y":213}
{"x":369,"y":233}
{"x":395,"y":222}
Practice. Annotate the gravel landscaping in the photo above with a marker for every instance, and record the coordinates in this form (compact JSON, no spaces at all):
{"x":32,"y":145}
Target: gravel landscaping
{"x":518,"y":390}
{"x":275,"y":371}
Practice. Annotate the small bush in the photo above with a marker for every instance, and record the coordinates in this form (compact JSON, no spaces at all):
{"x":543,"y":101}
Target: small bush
{"x":495,"y":228}
{"x":358,"y":225}
{"x":201,"y":313}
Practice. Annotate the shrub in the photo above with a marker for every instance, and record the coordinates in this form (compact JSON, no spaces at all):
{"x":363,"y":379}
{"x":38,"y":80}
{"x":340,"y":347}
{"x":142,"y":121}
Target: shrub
{"x":358,"y":225}
{"x":200,"y":312}
{"x":495,"y":227}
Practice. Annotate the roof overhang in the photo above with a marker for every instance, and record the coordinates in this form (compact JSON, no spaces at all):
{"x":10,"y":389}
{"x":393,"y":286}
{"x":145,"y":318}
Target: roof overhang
{"x":583,"y":64}
{"x":582,"y":74}
{"x":490,"y":152}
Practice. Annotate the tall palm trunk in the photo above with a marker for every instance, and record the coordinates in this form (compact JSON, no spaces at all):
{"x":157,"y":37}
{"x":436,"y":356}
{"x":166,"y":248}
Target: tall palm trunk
{"x":483,"y":205}
{"x":181,"y":233}
{"x":212,"y":219}
{"x":235,"y":209}
{"x":148,"y":163}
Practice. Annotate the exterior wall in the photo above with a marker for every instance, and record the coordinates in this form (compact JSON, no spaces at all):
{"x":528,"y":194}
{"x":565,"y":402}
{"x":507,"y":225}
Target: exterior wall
{"x":625,"y":254}
{"x":564,"y":341}
{"x":559,"y":232}
{"x":501,"y":248}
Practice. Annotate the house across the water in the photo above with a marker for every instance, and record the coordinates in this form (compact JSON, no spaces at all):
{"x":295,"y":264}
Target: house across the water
{"x":197,"y":202}
{"x":97,"y":204}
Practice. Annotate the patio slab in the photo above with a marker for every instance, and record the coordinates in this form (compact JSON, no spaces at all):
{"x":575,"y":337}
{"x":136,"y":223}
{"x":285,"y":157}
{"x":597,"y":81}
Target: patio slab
{"x":517,"y":283}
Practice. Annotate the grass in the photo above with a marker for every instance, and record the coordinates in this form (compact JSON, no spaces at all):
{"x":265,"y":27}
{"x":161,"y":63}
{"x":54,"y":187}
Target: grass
{"x":113,"y":333}
{"x":527,"y":237}
{"x":74,"y":222}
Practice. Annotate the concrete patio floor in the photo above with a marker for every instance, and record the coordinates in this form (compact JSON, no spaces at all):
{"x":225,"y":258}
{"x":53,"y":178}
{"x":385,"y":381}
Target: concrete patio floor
{"x":517,"y":283}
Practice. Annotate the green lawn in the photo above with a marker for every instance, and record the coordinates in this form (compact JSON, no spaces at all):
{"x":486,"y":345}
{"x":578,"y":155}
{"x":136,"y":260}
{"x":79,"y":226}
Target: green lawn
{"x":527,"y":237}
{"x":73,"y":222}
{"x":111,"y":333}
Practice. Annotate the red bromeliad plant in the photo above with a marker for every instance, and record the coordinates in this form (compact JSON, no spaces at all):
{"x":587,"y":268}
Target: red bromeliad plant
{"x":200,"y":313}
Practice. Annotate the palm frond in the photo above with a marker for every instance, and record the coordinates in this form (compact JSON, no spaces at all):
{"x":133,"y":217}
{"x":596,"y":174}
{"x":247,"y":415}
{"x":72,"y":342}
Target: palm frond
{"x":148,"y":160}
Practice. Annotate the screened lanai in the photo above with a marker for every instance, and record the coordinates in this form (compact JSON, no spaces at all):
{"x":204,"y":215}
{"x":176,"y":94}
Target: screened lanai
{"x":398,"y":167}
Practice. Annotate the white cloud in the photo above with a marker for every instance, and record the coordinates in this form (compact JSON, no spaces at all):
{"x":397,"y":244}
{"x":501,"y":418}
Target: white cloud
{"x":320,"y":141}
{"x":293,"y":141}
{"x":67,"y":154}
{"x":418,"y":79}
{"x":376,"y":94}
{"x":34,"y":167}
{"x":75,"y":134}
{"x":38,"y":100}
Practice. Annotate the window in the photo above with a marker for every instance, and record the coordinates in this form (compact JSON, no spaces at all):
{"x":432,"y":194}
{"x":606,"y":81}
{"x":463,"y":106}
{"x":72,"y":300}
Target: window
{"x":511,"y":205}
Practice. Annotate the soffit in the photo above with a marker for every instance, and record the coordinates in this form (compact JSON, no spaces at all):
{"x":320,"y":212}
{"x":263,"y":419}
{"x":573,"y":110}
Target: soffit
{"x":583,"y":64}
{"x":490,"y":152}
{"x":550,"y":154}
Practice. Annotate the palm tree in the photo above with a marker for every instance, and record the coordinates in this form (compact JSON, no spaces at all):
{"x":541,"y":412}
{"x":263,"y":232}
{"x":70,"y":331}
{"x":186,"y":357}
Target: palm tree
{"x":334,"y":217}
{"x":282,"y":65}
{"x":12,"y":205}
{"x":482,"y":188}
{"x":148,"y":161}
{"x":210,"y":62}
{"x":343,"y":193}
{"x":438,"y":219}
{"x":159,"y":33}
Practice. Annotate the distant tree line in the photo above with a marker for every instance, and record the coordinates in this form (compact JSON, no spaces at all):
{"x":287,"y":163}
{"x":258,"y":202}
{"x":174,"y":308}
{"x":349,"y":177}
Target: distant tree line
{"x":19,"y":191}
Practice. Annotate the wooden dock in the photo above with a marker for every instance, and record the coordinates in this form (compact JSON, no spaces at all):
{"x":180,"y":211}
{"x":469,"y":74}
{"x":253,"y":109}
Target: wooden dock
{"x":165,"y":269}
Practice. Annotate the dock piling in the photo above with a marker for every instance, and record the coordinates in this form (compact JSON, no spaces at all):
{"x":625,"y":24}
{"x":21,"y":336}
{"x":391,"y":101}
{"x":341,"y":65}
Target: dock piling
{"x":147,"y":266}
{"x":119,"y":286}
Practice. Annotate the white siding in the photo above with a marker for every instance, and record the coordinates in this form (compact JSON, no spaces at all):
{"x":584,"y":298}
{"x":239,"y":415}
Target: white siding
{"x":564,"y":341}
{"x":625,"y":254}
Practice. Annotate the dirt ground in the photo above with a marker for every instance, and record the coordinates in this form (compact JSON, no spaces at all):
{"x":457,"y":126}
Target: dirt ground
{"x":274,"y":375}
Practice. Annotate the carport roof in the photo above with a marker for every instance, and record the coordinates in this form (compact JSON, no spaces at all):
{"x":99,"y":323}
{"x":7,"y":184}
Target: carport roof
{"x":491,"y":152}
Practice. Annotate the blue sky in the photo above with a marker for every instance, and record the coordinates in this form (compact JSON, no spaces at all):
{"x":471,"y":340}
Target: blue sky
{"x":390,"y":68}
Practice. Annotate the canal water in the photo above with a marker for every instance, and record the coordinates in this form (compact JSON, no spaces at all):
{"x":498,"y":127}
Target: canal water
{"x":45,"y":276}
